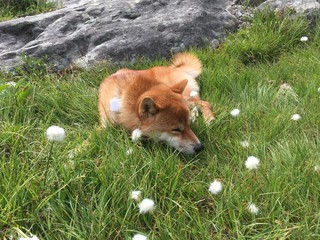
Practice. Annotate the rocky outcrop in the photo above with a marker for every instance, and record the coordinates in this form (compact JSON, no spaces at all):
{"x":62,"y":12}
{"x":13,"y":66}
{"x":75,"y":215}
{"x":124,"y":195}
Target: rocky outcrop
{"x":300,"y":6}
{"x":84,"y":32}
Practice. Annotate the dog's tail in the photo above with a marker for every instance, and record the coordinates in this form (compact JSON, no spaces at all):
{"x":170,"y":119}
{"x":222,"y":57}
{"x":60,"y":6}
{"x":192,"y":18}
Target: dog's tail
{"x":187,"y":63}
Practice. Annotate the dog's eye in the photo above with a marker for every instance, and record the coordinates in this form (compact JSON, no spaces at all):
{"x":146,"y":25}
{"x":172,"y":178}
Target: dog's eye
{"x":176,"y":130}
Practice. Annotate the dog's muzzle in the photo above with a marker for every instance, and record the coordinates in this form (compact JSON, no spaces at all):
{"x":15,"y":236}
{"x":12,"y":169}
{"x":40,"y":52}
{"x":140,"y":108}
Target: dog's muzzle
{"x":198,"y":147}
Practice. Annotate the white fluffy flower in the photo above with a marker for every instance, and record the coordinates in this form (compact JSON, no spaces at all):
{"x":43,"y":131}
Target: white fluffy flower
{"x":12,"y":84}
{"x":317,"y":168}
{"x":296,"y":117}
{"x":193,"y":93}
{"x":115,"y":104}
{"x":304,"y":39}
{"x":235,"y":112}
{"x":215,"y":187}
{"x":129,"y":151}
{"x":252,"y":163}
{"x":135,"y":195}
{"x":55,"y":134}
{"x":319,"y":90}
{"x":136,"y":135}
{"x":285,"y":86}
{"x":29,"y":238}
{"x":139,"y":237}
{"x":253,"y":209}
{"x":146,"y":205}
{"x":244,"y":144}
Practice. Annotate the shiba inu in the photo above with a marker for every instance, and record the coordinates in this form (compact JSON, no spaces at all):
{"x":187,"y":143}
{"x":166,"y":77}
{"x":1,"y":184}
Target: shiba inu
{"x":157,"y":101}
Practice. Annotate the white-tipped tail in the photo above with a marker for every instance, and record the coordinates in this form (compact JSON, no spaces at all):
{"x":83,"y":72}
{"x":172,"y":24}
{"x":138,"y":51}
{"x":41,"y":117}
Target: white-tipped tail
{"x":188,"y":63}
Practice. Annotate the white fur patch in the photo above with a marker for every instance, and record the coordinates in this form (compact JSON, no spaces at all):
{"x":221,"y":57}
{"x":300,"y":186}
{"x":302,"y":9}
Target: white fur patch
{"x":172,"y":141}
{"x":115,"y":104}
{"x":193,"y":93}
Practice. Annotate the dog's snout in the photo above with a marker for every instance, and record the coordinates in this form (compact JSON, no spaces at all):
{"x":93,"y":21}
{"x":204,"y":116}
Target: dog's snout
{"x":198,"y":147}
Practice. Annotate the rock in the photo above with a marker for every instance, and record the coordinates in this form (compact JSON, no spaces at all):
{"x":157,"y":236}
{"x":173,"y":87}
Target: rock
{"x":84,"y":32}
{"x":307,"y":8}
{"x":300,"y":6}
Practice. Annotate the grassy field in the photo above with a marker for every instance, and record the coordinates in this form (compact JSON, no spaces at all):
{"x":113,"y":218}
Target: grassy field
{"x":81,"y":188}
{"x":10,"y":9}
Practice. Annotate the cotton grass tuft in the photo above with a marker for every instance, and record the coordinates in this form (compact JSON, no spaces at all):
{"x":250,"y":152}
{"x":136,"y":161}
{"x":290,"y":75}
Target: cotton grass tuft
{"x":115,"y":104}
{"x":252,"y":163}
{"x":304,"y":39}
{"x":129,"y":151}
{"x":253,"y":209}
{"x":29,"y":238}
{"x":135,"y":195}
{"x":296,"y":117}
{"x":139,"y":237}
{"x":215,"y":187}
{"x":55,"y":134}
{"x":12,"y":84}
{"x":235,"y":112}
{"x":146,"y":205}
{"x":244,"y":144}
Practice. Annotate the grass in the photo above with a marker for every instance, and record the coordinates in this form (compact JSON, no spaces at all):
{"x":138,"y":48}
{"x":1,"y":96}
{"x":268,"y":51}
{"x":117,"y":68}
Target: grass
{"x":86,"y":192}
{"x":10,"y":9}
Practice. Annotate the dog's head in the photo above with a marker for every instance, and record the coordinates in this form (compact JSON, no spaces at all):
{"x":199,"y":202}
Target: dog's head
{"x":164,"y":115}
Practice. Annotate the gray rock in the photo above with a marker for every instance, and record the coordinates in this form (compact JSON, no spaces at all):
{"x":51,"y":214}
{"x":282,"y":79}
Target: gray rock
{"x":300,"y":6}
{"x":87,"y":31}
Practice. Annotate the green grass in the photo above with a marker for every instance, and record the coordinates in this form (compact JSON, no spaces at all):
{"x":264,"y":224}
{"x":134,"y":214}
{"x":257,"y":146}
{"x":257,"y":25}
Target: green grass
{"x":88,"y":196}
{"x":17,"y":8}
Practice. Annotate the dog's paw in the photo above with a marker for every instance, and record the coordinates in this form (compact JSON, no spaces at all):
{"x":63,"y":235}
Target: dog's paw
{"x":208,"y":120}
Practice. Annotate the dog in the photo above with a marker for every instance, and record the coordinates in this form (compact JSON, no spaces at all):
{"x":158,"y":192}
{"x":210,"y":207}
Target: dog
{"x":157,"y":101}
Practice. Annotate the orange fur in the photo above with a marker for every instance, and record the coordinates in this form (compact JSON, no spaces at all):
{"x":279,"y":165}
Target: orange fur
{"x":156,"y":101}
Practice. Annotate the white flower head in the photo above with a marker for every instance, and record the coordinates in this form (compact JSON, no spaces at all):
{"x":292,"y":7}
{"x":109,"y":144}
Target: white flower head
{"x":235,"y":112}
{"x":34,"y":237}
{"x":317,"y":168}
{"x":55,"y":134}
{"x":129,"y":151}
{"x":115,"y":104}
{"x":139,"y":237}
{"x":193,"y":93}
{"x":136,"y":135}
{"x":244,"y":144}
{"x":71,"y":154}
{"x":253,"y":209}
{"x":319,"y":90}
{"x":286,"y":86}
{"x":296,"y":117}
{"x":12,"y":84}
{"x":215,"y":187}
{"x":252,"y":163}
{"x":146,"y":205}
{"x":135,"y":195}
{"x":304,"y":39}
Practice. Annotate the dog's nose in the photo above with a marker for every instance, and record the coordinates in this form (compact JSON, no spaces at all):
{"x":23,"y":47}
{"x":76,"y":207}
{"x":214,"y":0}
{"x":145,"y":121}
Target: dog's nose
{"x":198,"y":147}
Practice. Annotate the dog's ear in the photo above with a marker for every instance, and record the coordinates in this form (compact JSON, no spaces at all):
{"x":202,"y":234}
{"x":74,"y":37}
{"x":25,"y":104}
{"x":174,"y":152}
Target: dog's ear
{"x":180,"y":86}
{"x":148,"y":107}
